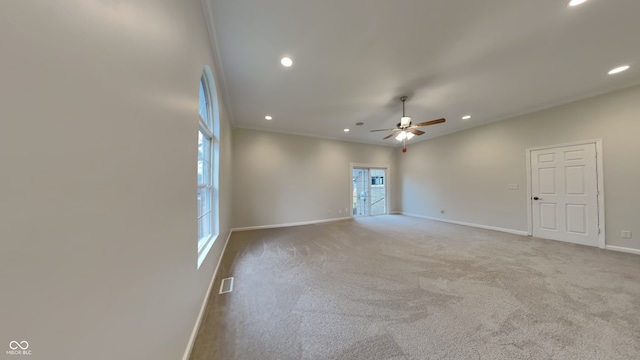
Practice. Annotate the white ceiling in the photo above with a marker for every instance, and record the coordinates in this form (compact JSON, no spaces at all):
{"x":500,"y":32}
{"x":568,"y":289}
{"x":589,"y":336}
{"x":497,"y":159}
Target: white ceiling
{"x":492,"y":59}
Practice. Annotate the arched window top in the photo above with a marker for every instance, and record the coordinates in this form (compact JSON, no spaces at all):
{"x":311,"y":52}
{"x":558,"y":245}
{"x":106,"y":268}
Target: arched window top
{"x":208,"y":108}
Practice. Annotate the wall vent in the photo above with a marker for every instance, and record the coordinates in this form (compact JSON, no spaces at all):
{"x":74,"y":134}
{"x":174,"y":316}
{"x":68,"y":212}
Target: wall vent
{"x":226,"y":286}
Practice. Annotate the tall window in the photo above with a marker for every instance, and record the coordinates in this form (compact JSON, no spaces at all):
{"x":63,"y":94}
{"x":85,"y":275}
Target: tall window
{"x":208,"y":149}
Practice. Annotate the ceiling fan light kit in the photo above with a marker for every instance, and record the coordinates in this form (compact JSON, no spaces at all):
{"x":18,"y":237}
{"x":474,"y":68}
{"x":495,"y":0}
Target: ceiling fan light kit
{"x":404,"y":135}
{"x":404,"y":130}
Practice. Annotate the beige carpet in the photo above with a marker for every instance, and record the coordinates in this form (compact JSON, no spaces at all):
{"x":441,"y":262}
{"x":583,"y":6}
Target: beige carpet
{"x":397,"y":287}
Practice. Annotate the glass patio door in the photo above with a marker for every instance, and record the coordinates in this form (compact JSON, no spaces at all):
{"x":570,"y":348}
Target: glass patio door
{"x":369,"y":191}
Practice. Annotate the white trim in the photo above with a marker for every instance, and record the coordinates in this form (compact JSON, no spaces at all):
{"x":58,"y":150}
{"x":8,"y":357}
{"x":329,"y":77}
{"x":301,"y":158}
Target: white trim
{"x":599,"y":173}
{"x":623,"y":249}
{"x":602,"y":243}
{"x":573,"y":143}
{"x":204,"y":129}
{"x":203,"y":248}
{"x":371,"y":166}
{"x":196,"y":328}
{"x":529,"y":195}
{"x":486,"y":227}
{"x":259,"y":227}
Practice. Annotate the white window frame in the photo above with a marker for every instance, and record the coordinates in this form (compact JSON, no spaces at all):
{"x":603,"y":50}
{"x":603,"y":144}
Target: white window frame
{"x":211,"y":132}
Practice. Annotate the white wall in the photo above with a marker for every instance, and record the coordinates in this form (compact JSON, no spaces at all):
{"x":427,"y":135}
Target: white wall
{"x":466,"y":174}
{"x":281,"y":179}
{"x":98,"y":149}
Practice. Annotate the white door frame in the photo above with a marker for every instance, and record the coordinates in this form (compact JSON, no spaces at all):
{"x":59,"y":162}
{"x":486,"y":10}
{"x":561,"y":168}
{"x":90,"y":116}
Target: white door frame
{"x":387,"y":185}
{"x":600,"y":174}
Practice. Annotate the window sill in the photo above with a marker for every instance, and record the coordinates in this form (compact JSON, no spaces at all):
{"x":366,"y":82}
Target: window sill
{"x":204,"y":248}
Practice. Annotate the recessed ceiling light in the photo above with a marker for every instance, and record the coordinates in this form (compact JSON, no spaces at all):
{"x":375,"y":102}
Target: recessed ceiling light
{"x":346,"y":130}
{"x":576,"y":2}
{"x":268,"y":117}
{"x":286,"y":62}
{"x":466,"y":117}
{"x":619,"y":69}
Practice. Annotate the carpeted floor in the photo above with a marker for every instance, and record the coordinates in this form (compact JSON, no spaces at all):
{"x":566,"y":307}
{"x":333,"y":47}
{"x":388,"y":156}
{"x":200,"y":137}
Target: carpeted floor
{"x":397,"y":287}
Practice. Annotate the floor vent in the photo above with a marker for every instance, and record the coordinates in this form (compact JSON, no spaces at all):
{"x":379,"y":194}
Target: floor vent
{"x":227,"y":285}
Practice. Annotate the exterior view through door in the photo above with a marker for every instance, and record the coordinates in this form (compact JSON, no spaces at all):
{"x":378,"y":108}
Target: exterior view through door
{"x":564,"y":194}
{"x":369,"y":191}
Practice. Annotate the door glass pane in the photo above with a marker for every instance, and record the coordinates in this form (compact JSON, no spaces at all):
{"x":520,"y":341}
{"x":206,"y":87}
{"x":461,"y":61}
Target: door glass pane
{"x":378,"y":192}
{"x":361,"y":192}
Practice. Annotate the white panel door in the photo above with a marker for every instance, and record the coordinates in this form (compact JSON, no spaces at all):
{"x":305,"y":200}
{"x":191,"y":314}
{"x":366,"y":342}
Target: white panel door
{"x":564,"y":188}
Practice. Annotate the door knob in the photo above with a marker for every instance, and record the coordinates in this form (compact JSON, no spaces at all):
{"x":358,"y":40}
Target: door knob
{"x":536,"y":198}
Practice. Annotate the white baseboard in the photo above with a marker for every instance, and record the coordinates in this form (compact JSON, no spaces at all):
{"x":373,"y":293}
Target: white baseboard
{"x":203,"y":308}
{"x":486,"y":227}
{"x":623,"y":249}
{"x":511,"y":231}
{"x":290,"y":224}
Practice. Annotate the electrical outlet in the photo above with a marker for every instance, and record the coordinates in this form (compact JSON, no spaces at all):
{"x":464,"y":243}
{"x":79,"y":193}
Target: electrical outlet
{"x":512,"y":186}
{"x":625,"y":234}
{"x":339,"y":211}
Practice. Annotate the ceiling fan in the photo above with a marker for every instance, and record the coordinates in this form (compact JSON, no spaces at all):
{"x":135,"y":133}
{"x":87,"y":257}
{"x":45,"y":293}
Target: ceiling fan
{"x":404,"y":130}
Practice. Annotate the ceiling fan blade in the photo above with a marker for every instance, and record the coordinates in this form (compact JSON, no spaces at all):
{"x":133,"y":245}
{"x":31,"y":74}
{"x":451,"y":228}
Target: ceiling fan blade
{"x":388,"y":136}
{"x":385,"y":130}
{"x":432,"y":122}
{"x":415,"y":131}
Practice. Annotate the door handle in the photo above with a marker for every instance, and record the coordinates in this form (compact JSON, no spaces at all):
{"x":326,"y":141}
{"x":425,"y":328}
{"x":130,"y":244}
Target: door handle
{"x":536,"y":198}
